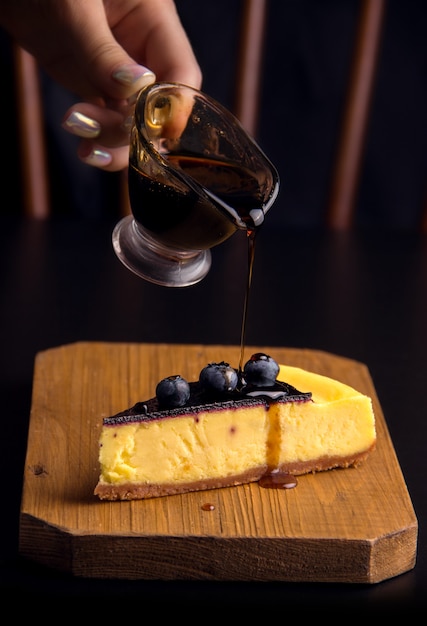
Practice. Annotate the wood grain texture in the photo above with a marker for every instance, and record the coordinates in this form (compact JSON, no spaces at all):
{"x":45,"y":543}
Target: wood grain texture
{"x":355,"y":525}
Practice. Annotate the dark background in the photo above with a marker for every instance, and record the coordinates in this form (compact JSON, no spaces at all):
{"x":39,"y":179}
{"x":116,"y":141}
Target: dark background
{"x":361,"y":297}
{"x":307,"y":60}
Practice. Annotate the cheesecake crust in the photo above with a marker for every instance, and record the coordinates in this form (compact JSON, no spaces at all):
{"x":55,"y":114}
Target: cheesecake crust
{"x":139,"y":491}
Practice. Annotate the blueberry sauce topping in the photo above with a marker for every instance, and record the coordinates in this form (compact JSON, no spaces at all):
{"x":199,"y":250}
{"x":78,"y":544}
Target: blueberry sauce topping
{"x":218,"y":385}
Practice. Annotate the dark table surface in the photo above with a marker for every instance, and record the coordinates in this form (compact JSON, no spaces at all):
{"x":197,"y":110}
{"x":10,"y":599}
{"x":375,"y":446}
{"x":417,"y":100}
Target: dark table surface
{"x":362,"y":296}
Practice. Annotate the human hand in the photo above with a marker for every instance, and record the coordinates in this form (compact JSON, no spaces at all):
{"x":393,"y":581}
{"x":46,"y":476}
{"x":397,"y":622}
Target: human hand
{"x":101,"y":51}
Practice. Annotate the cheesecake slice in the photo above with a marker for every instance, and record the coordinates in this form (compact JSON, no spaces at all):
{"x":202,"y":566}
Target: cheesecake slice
{"x":302,"y":423}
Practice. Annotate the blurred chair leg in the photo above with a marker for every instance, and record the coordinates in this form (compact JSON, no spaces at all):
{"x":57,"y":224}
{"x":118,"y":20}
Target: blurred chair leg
{"x":31,"y":128}
{"x":352,"y":137}
{"x":250,"y":58}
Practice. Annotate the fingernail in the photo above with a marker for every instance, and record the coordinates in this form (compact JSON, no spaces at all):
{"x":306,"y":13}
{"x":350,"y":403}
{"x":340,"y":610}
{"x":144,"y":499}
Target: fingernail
{"x":81,"y":125}
{"x":136,"y":76}
{"x":98,"y":158}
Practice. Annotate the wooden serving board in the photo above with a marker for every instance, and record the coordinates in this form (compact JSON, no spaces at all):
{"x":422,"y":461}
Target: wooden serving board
{"x":355,"y":525}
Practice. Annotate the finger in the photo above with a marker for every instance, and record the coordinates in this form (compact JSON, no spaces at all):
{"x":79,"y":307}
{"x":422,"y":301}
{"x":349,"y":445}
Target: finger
{"x":108,"y":159}
{"x":148,"y":35}
{"x":109,"y":128}
{"x":110,"y":69}
{"x":177,"y":61}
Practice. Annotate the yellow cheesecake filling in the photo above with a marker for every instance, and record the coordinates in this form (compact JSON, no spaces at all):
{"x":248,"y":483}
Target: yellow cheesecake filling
{"x":187,"y":449}
{"x":338,"y":422}
{"x":230,"y":442}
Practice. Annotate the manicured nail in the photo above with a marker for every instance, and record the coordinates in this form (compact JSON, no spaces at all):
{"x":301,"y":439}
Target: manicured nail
{"x":98,"y":158}
{"x":81,"y":125}
{"x":136,"y":76}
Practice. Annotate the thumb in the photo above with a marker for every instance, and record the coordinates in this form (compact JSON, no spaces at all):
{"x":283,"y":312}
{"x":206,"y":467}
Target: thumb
{"x":107,"y":67}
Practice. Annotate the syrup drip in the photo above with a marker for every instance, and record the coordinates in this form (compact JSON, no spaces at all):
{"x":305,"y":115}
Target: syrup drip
{"x":278,"y":480}
{"x":208,"y":507}
{"x":274,"y":479}
{"x":251,"y":256}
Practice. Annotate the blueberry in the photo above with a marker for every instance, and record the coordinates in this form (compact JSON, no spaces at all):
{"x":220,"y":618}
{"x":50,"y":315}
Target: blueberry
{"x":261,"y":370}
{"x":218,"y":377}
{"x":172,"y":392}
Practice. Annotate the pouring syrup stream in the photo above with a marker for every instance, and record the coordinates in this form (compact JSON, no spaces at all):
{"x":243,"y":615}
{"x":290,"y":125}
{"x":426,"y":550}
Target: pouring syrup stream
{"x":251,"y":255}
